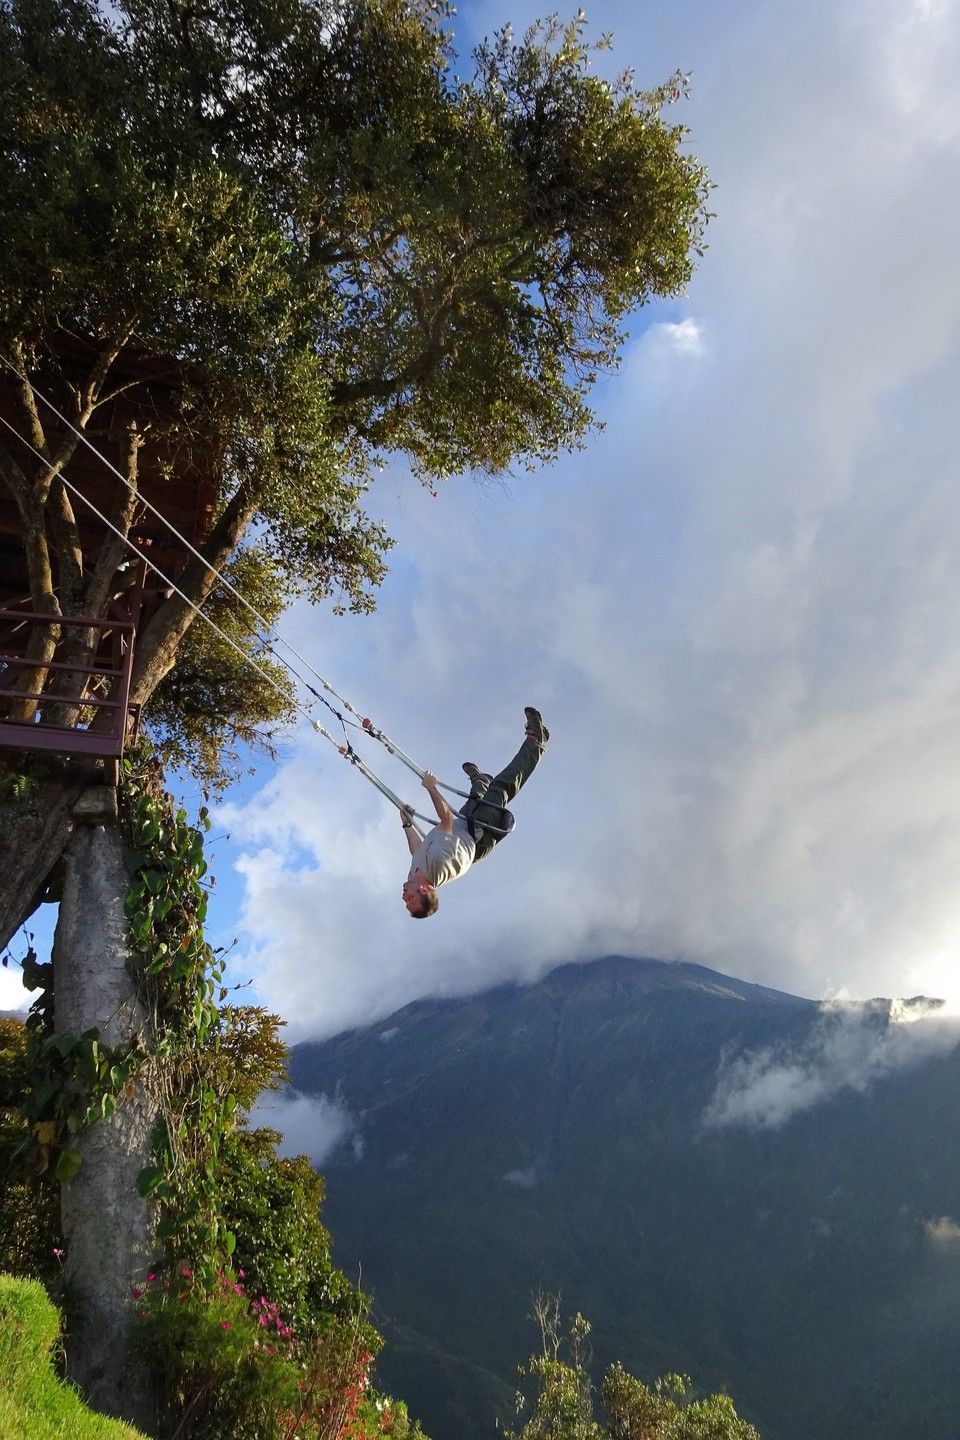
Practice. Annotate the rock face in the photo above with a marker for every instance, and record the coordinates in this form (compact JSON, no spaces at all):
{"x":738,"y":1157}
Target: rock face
{"x":558,"y":1137}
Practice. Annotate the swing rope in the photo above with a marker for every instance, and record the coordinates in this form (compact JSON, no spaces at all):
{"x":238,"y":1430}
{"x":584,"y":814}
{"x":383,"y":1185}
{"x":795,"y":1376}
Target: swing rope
{"x":366,"y":725}
{"x":270,"y":636}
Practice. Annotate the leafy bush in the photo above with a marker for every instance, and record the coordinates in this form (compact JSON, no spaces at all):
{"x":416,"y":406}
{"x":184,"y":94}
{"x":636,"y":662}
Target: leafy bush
{"x":562,"y":1408}
{"x":224,"y":1364}
{"x":31,"y":1241}
{"x":228,"y":1364}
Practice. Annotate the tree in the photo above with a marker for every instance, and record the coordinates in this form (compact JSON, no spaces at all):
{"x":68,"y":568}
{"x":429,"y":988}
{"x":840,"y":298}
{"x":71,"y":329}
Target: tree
{"x":271,"y":1204}
{"x":330,"y":249}
{"x":255,"y":250}
{"x":563,"y":1409}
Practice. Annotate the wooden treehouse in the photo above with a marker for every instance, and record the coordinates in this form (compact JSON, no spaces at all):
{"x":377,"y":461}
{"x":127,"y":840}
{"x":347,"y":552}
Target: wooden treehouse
{"x":63,"y":704}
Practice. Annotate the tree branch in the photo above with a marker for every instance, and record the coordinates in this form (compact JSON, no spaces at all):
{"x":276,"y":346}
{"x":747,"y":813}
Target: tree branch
{"x":101,"y":581}
{"x":157,"y":645}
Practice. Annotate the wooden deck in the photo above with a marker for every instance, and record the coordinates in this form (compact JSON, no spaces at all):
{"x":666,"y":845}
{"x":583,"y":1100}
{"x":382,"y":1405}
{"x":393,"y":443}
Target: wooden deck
{"x":91,"y":701}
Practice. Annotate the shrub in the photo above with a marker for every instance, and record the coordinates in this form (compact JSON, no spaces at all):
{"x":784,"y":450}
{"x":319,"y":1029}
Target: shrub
{"x":228,"y":1364}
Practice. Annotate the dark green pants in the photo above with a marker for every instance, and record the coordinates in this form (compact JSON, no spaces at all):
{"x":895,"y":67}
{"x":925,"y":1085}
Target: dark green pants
{"x":488,"y":796}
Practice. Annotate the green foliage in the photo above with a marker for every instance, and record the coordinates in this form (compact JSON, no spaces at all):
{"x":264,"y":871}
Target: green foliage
{"x":339,"y":251}
{"x":228,"y":1200}
{"x":72,"y":1081}
{"x":229,"y":1363}
{"x":21,"y":786}
{"x":668,"y":1410}
{"x":248,"y":1328}
{"x":562,"y":1407}
{"x":383,"y":1415}
{"x":18,"y":786}
{"x":273,"y":1205}
{"x":297,"y":180}
{"x":572,"y":1151}
{"x":166,"y":906}
{"x":30,"y":1238}
{"x":212,"y":703}
{"x":34,"y":1403}
{"x":216,"y":1370}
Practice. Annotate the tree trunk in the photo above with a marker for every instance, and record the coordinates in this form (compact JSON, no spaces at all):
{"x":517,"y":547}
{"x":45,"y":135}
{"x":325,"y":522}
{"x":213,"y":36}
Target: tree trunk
{"x":35,"y":825}
{"x":108,"y":1227}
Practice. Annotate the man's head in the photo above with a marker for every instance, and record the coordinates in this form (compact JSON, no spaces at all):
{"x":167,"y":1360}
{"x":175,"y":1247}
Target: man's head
{"x":420,"y":898}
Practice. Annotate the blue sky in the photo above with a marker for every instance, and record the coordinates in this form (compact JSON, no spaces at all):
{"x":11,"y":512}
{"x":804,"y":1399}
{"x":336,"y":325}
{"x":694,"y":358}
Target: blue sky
{"x":737,"y":608}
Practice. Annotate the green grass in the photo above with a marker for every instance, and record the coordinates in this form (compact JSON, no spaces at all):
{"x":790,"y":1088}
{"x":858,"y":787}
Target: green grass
{"x":34,"y":1403}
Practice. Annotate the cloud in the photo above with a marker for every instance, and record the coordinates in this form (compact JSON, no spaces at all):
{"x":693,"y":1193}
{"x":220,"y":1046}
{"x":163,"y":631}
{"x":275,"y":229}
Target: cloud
{"x":943,"y":1231}
{"x":12,"y":994}
{"x":312,"y":1125}
{"x":735,"y":607}
{"x":524,"y":1179}
{"x":666,"y":343}
{"x":850,"y":1047}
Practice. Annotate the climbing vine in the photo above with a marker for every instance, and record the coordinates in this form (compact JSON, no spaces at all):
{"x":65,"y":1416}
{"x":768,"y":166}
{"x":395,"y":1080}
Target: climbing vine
{"x":76,"y":1080}
{"x":182,"y":974}
{"x":292,"y":1357}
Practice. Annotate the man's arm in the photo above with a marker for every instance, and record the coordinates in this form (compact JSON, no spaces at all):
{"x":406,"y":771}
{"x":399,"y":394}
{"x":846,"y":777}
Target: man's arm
{"x":444,"y":813}
{"x":412,"y":834}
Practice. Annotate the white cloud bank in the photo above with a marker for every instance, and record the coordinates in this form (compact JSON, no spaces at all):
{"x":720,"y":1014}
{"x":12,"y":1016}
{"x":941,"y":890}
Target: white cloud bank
{"x":312,"y":1125}
{"x":943,"y":1231}
{"x":738,"y":608}
{"x":851,"y":1047}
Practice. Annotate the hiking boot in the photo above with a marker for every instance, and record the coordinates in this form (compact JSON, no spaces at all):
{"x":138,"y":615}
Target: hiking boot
{"x":470,"y":769}
{"x":535,"y":726}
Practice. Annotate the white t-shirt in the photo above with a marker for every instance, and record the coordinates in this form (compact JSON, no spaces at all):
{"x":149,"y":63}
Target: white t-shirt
{"x":445,"y":857}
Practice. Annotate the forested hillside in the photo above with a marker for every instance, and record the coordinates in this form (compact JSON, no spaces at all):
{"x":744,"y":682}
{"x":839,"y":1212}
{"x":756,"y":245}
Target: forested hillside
{"x":553,"y":1137}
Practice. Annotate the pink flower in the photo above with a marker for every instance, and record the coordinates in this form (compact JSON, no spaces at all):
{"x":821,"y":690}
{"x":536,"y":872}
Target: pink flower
{"x":137,"y":1292}
{"x":185,"y":1271}
{"x":151,"y":1276}
{"x":224,"y":1324}
{"x":57,"y":1254}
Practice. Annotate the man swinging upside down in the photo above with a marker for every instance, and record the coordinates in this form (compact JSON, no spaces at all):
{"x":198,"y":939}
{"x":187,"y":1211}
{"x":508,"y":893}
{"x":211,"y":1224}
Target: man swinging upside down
{"x":460,"y":840}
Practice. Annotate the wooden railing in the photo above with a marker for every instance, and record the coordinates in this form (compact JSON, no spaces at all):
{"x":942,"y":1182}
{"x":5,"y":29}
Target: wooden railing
{"x":97,"y":692}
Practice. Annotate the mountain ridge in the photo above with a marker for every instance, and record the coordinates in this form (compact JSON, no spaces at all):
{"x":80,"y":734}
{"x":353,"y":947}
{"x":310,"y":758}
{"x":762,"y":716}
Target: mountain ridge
{"x":552,"y":1136}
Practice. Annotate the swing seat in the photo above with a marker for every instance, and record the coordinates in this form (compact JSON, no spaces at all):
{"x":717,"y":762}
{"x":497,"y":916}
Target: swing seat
{"x":506,"y":820}
{"x":501,"y":821}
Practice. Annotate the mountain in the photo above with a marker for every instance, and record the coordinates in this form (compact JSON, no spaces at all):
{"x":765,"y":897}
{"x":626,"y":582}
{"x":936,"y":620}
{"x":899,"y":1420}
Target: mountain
{"x":553,"y":1137}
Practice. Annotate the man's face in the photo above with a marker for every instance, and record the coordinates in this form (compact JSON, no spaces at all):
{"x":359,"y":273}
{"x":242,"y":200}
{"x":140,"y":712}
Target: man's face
{"x":414,"y":894}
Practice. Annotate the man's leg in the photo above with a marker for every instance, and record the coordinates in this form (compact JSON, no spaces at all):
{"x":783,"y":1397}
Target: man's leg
{"x":479,"y":784}
{"x":507,"y":785}
{"x":497,"y":793}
